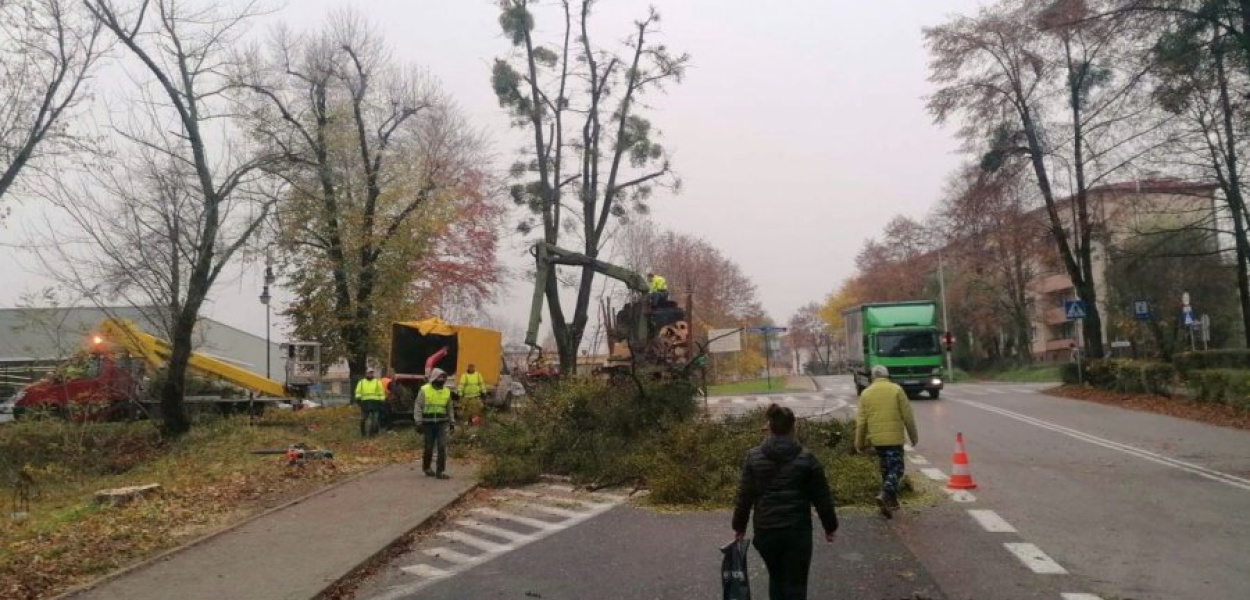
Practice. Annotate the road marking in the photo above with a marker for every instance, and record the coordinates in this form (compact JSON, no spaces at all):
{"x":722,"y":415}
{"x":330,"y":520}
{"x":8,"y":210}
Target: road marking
{"x":991,"y":522}
{"x":528,"y":522}
{"x":498,"y":532}
{"x":740,"y":400}
{"x":449,"y":555}
{"x":559,"y":488}
{"x":476,"y":542}
{"x":934,"y":474}
{"x":1035,"y":559}
{"x":920,"y":460}
{"x":1225,"y":478}
{"x":961,"y":496}
{"x":492,"y":549}
{"x":1071,"y":596}
{"x":426,"y":571}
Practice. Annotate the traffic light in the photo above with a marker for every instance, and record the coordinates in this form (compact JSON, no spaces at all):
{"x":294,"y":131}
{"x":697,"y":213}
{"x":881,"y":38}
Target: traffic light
{"x":948,"y":341}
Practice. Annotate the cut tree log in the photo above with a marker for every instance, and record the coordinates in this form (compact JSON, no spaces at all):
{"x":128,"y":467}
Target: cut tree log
{"x":120,"y":496}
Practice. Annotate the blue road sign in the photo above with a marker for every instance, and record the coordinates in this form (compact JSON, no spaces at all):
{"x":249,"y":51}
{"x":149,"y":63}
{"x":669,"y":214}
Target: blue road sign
{"x":767,"y":329}
{"x":1074,"y":309}
{"x":1141,"y":310}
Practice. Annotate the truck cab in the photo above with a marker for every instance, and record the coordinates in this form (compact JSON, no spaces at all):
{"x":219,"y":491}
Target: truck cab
{"x":93,"y":386}
{"x":901,"y":336}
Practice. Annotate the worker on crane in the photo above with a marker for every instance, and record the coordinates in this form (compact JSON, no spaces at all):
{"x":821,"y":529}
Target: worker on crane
{"x":659,"y":289}
{"x":372,"y":398}
{"x":435,"y":414}
{"x":471,"y":388}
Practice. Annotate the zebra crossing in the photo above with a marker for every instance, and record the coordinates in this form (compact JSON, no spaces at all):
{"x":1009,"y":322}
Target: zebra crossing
{"x":507,"y":520}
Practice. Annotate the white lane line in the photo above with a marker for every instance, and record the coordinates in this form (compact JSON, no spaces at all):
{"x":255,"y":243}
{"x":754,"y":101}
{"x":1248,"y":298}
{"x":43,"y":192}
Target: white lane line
{"x":551,"y":510}
{"x":426,"y":571}
{"x":1035,"y":559}
{"x":1225,"y":478}
{"x":526,"y":521}
{"x":558,"y":500}
{"x":919,"y":460}
{"x":560,"y":488}
{"x":408,"y":590}
{"x":740,"y":400}
{"x":477,"y":542}
{"x":449,"y":555}
{"x":1071,"y":596}
{"x":991,"y":522}
{"x":961,"y":496}
{"x":934,"y":474}
{"x":499,"y":532}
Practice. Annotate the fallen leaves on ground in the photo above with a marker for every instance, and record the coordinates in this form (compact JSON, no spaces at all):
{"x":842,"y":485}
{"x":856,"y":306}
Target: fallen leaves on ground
{"x":210,"y":481}
{"x":1214,"y":414}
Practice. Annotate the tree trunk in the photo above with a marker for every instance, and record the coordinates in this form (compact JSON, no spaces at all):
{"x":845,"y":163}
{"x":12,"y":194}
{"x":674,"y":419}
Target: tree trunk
{"x":1232,"y":191}
{"x":173,"y":393}
{"x":357,"y":363}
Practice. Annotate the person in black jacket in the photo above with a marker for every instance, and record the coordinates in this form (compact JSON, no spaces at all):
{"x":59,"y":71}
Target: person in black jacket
{"x":781,"y":482}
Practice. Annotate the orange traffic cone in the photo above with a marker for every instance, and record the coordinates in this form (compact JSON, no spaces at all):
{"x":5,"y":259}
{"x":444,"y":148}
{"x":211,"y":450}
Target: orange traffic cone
{"x":961,"y":477}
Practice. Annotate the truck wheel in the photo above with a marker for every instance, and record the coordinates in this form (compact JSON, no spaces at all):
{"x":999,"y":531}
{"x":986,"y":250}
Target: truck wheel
{"x":934,"y":394}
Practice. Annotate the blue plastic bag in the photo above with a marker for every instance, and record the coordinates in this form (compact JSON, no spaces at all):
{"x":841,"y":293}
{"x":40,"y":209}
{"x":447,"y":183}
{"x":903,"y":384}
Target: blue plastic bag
{"x":733,"y":571}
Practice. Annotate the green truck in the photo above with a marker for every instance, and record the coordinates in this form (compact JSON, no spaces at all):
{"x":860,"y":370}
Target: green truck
{"x":902,"y":336}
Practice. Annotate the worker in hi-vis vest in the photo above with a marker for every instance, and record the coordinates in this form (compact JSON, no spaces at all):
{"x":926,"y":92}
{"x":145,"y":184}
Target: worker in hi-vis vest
{"x":435,"y":416}
{"x":372,"y":398}
{"x":472,"y":387}
{"x":659,"y":289}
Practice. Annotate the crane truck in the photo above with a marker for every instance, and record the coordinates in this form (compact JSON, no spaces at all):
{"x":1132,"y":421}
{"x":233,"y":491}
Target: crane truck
{"x":655,"y":338}
{"x":107,"y":382}
{"x":903,"y":337}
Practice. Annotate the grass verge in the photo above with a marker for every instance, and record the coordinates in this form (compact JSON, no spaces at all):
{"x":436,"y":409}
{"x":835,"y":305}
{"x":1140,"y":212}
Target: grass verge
{"x":1035,"y":374}
{"x":209,"y":481}
{"x":754,"y":386}
{"x":1175,"y":406}
{"x":604,"y":436}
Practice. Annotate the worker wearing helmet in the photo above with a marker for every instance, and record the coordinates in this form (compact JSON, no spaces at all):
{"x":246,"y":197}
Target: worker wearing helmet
{"x":471,"y":389}
{"x":659,"y":289}
{"x":372,"y":398}
{"x":435,"y":414}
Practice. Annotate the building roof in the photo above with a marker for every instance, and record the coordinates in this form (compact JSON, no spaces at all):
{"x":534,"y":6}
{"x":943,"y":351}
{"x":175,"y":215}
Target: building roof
{"x":53,"y":334}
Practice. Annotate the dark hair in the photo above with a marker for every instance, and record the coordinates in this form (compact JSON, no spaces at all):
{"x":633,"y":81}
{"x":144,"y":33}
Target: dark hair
{"x":780,"y":420}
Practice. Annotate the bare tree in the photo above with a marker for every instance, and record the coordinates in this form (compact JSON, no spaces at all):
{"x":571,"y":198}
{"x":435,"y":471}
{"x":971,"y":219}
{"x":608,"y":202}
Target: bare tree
{"x":383,"y":176}
{"x":48,"y":49}
{"x":183,"y":192}
{"x":1047,"y":84}
{"x":575,"y":182}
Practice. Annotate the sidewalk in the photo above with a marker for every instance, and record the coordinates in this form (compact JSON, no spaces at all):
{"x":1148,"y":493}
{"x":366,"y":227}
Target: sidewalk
{"x":296,"y":552}
{"x":801,"y":382}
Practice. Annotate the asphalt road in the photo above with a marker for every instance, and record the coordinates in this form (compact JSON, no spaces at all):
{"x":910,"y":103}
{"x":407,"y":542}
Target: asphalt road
{"x":1134,"y":505}
{"x":628,"y":553}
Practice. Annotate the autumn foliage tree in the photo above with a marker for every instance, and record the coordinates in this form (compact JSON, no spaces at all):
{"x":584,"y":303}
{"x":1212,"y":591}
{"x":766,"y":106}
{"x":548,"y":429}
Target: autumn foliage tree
{"x":388,"y":215}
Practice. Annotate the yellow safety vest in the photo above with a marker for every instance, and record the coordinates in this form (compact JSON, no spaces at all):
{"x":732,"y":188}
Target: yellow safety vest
{"x":436,"y":401}
{"x":471,"y":385}
{"x":370,"y":390}
{"x":658,"y":284}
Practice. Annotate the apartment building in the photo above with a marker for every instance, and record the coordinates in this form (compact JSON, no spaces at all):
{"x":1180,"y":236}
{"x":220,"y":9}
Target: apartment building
{"x":1118,"y":212}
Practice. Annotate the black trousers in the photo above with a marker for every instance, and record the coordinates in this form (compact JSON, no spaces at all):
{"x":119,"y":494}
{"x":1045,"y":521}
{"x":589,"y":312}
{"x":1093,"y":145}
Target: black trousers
{"x":372,"y":406}
{"x":788,"y":555}
{"x":435,"y":439}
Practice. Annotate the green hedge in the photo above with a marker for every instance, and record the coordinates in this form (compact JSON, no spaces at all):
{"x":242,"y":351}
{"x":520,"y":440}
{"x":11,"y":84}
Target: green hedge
{"x":1212,"y":359}
{"x":1222,"y":386}
{"x":1123,"y":375}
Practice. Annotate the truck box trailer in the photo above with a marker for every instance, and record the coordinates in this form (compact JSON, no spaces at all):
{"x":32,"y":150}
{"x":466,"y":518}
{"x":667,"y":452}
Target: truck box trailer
{"x":901,"y":336}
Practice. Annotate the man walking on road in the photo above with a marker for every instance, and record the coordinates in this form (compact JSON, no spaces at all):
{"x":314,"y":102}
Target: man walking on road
{"x":781,"y":482}
{"x":434,"y":413}
{"x":372,"y":398}
{"x":884,"y":418}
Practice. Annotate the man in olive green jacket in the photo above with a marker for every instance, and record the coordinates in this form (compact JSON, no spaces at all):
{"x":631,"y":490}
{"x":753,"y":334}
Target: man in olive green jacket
{"x":885,"y":422}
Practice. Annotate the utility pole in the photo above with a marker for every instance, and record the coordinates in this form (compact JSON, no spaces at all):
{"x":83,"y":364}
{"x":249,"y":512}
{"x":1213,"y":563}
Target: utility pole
{"x":946,"y":326}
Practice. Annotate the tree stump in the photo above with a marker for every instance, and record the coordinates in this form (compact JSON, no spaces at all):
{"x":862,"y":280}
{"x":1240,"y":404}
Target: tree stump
{"x":120,"y":496}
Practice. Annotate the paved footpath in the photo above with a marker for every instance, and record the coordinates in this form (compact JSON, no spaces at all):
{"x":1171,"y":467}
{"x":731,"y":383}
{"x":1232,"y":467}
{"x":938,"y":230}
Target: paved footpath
{"x":295,"y":552}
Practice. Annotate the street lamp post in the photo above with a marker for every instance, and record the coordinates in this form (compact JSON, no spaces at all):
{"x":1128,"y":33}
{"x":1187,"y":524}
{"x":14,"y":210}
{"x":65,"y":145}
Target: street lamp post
{"x":950,"y":368}
{"x":264,"y":299}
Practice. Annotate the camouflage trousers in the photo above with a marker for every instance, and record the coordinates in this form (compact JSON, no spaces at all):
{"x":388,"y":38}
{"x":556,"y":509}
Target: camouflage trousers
{"x":890,"y":459}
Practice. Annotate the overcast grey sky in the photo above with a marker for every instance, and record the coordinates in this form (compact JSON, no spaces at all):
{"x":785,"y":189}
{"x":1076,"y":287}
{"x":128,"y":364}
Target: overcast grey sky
{"x":799,"y":131}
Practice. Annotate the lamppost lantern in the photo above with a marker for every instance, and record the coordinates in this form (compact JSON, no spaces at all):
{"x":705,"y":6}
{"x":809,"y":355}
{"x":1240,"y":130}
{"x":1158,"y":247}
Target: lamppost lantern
{"x":264,"y":296}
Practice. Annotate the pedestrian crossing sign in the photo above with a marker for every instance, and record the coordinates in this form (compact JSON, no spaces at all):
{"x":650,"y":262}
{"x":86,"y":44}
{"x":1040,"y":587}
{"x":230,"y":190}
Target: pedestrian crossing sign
{"x":1074,"y":309}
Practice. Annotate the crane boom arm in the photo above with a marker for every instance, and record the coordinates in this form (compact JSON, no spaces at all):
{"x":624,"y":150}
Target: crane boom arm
{"x":155,"y":351}
{"x":547,"y":255}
